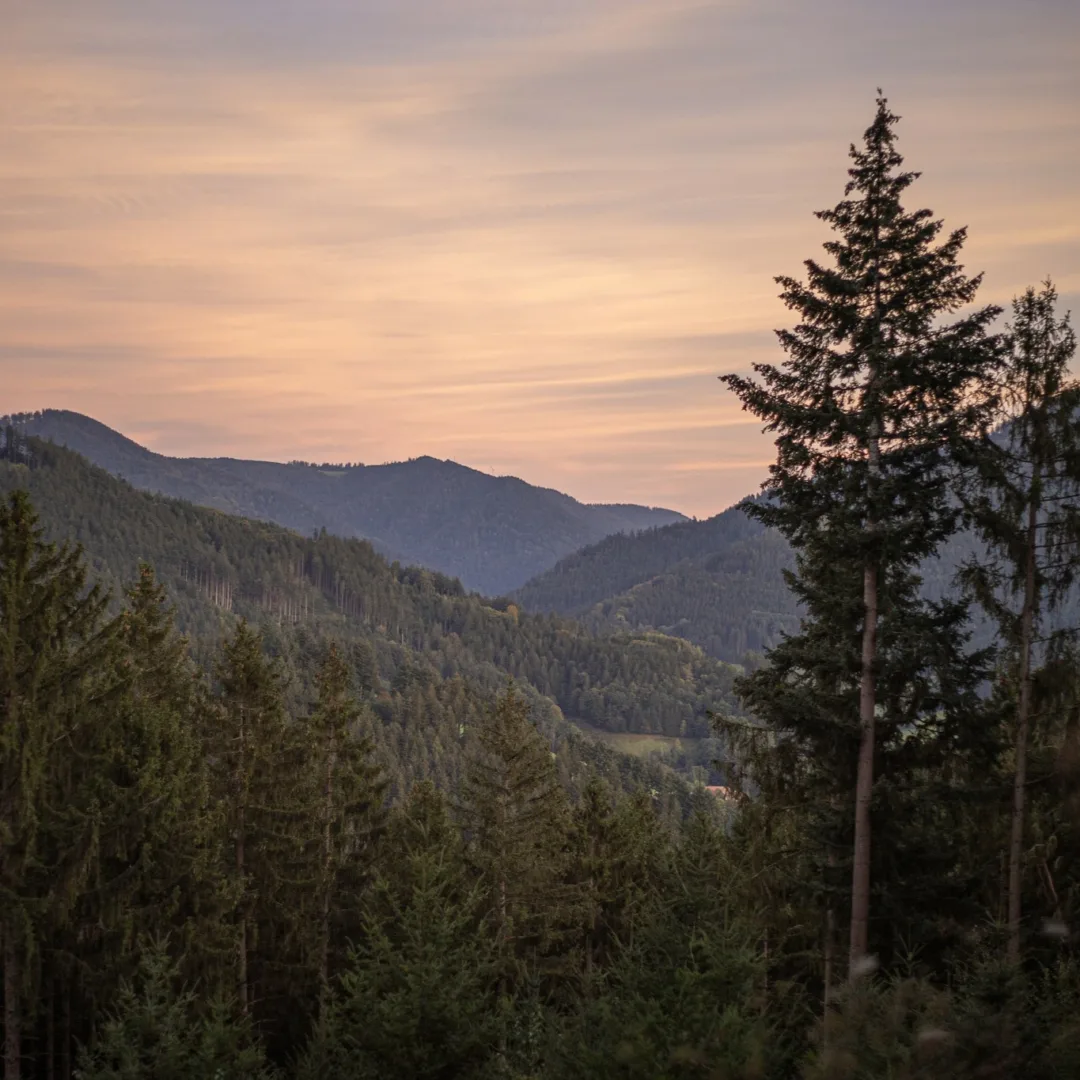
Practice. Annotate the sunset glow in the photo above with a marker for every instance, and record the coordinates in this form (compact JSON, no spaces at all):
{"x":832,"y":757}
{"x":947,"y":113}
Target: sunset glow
{"x":526,"y":235}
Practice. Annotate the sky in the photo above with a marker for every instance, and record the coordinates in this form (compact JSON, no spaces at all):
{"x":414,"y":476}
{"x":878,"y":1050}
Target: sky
{"x":526,"y":235}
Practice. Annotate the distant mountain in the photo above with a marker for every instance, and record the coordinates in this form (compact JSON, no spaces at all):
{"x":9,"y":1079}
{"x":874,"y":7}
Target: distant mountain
{"x":493,"y":533}
{"x":718,"y":583}
{"x":424,"y":630}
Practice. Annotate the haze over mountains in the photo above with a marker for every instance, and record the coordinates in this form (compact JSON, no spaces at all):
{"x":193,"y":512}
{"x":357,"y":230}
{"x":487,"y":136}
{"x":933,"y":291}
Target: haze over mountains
{"x":493,"y":533}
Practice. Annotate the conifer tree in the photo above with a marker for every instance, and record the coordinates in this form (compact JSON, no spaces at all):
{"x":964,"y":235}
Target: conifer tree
{"x":517,"y":820}
{"x":876,"y":389}
{"x":683,"y":995}
{"x":247,"y":743}
{"x":57,"y":667}
{"x":418,"y":995}
{"x":1026,"y":507}
{"x":140,"y":772}
{"x":349,"y":791}
{"x":617,"y":855}
{"x":158,"y":1029}
{"x":178,"y":849}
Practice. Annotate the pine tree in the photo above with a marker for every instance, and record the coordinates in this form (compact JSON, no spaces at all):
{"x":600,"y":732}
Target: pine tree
{"x":517,"y":820}
{"x":617,"y":850}
{"x":683,"y":995}
{"x":349,"y":793}
{"x":247,"y":741}
{"x":177,"y":848}
{"x":876,"y":390}
{"x":159,"y":1030}
{"x":140,"y":772}
{"x":1026,"y":507}
{"x":57,"y":668}
{"x":417,"y":998}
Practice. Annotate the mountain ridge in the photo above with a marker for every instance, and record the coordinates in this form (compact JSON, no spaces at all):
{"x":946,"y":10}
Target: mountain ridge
{"x":492,"y":533}
{"x":421,"y":631}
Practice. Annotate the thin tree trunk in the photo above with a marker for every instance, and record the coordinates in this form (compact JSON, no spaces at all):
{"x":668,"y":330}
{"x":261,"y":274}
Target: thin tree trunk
{"x":864,"y":778}
{"x":241,"y":826}
{"x":765,"y":972}
{"x":864,"y":782}
{"x":1023,"y":729}
{"x":50,"y":1029}
{"x":12,"y":1007}
{"x":328,"y":863}
{"x":65,"y":1030}
{"x":829,"y":953}
{"x":242,"y":966}
{"x":829,"y":950}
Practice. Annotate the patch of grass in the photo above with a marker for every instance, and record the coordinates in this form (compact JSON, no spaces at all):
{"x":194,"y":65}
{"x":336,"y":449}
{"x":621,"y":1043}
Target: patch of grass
{"x":639,"y":745}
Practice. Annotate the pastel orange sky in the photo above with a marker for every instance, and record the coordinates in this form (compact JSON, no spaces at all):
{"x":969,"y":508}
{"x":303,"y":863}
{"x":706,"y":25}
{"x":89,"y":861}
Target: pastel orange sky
{"x":523,"y":234}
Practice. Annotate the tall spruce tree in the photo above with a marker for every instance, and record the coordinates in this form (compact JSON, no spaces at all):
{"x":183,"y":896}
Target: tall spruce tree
{"x":163,"y":775}
{"x":1025,"y":504}
{"x":247,"y":741}
{"x":517,"y":822}
{"x":617,"y":849}
{"x":162,"y":1030}
{"x":876,"y":388}
{"x":349,"y":794}
{"x":418,"y":997}
{"x":57,"y":668}
{"x":139,"y":771}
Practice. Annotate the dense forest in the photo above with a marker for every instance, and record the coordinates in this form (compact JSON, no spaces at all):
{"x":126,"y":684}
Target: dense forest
{"x":421,"y":627}
{"x":491,"y":532}
{"x":718,"y":583}
{"x":345,"y":827}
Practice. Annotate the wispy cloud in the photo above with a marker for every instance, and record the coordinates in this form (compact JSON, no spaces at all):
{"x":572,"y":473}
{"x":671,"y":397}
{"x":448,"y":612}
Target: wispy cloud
{"x":523,"y":233}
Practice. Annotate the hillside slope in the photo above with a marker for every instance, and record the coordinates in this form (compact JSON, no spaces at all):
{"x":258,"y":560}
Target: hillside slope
{"x":426,"y":650}
{"x":718,"y":583}
{"x":493,"y":533}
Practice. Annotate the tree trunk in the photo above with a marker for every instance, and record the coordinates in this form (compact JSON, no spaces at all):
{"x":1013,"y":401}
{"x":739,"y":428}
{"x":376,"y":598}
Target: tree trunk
{"x":12,"y":1007}
{"x":328,"y":865}
{"x":241,"y":933}
{"x":829,"y":953}
{"x":1023,"y":728}
{"x":65,"y":1029}
{"x":50,"y":1029}
{"x":241,"y":826}
{"x":864,"y":782}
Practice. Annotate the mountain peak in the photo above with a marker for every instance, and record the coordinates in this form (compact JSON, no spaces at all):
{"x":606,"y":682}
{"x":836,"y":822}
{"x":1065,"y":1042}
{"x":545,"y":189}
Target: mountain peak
{"x":492,"y":532}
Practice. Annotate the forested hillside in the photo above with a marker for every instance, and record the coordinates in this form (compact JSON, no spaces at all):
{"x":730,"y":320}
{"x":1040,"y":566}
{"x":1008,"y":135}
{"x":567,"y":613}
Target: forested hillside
{"x":493,"y":533}
{"x":422,"y":627}
{"x":718,"y":583}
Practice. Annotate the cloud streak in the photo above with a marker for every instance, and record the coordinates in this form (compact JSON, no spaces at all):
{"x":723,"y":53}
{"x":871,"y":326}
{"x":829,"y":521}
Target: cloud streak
{"x":525,"y":234}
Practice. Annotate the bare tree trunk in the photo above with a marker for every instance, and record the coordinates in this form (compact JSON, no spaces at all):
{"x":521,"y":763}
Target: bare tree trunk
{"x":765,"y":972}
{"x":12,"y":1007}
{"x":1023,"y":729}
{"x":50,"y":1029}
{"x":829,"y":957}
{"x":65,"y":1029}
{"x":864,"y":782}
{"x":829,"y":953}
{"x":240,"y":853}
{"x":328,"y":864}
